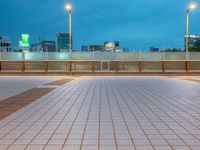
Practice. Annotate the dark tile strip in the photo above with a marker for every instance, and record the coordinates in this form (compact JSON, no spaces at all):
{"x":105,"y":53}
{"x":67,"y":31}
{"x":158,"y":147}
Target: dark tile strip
{"x":14,"y":103}
{"x":195,"y":80}
{"x":60,"y":82}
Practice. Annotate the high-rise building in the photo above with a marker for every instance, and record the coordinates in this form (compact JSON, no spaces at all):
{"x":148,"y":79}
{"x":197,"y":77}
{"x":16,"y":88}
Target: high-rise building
{"x":63,"y":41}
{"x":193,"y":41}
{"x":5,"y":44}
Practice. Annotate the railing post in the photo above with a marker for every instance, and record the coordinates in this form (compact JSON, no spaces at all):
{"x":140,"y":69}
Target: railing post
{"x":93,"y":66}
{"x":163,"y":66}
{"x":46,"y":56}
{"x":46,"y":66}
{"x":163,"y":61}
{"x":23,"y":66}
{"x":163,"y":55}
{"x":187,"y":61}
{"x":187,"y":55}
{"x":116,"y":65}
{"x":93,"y":55}
{"x":116,"y":56}
{"x":23,"y":56}
{"x":23,"y":61}
{"x":187,"y":67}
{"x":70,"y":66}
{"x":139,"y":56}
{"x":140,"y":66}
{"x":0,"y":60}
{"x":0,"y":55}
{"x":140,"y":61}
{"x":46,"y":61}
{"x":70,"y":55}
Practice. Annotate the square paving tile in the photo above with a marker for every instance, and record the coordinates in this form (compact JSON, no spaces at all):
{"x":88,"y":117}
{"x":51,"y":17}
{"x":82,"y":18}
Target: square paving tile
{"x":108,"y":113}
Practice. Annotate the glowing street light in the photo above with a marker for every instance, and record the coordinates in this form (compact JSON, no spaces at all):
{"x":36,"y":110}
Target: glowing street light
{"x":191,"y":7}
{"x":69,"y":9}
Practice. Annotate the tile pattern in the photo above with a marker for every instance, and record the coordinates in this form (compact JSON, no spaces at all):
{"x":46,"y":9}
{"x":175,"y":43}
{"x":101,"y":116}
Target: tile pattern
{"x":109,"y":113}
{"x":59,"y":82}
{"x":13,"y":85}
{"x":15,"y":103}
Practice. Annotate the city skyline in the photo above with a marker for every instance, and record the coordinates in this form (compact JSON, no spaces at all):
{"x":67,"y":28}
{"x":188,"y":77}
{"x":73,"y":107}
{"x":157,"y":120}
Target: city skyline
{"x":137,"y":25}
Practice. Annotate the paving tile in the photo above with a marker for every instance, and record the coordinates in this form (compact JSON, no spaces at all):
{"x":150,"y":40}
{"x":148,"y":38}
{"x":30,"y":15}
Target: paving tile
{"x":144,"y":148}
{"x":53,"y":147}
{"x":3,"y":146}
{"x":35,"y":147}
{"x":89,"y":147}
{"x":71,"y":147}
{"x":16,"y":147}
{"x":195,"y":147}
{"x":108,"y":147}
{"x":181,"y":148}
{"x":126,"y":148}
{"x":163,"y":148}
{"x":106,"y":113}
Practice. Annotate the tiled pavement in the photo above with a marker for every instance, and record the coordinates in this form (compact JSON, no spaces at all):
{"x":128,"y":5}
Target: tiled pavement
{"x":109,"y":113}
{"x":13,"y":85}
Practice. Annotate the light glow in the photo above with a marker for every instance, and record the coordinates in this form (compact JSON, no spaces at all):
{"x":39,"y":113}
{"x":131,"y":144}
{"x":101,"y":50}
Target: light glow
{"x":68,"y":7}
{"x":192,"y":6}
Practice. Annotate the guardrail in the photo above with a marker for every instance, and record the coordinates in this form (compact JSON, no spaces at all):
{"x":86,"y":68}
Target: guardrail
{"x":121,"y":56}
{"x":100,"y":62}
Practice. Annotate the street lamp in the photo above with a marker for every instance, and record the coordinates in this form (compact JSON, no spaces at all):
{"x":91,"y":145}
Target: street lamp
{"x":69,"y":9}
{"x":191,"y":7}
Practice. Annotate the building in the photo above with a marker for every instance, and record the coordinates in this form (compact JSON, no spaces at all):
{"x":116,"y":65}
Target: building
{"x":84,"y":48}
{"x":97,"y":48}
{"x":5,"y":44}
{"x":153,"y":49}
{"x":193,"y":41}
{"x":63,"y":41}
{"x":48,"y":46}
{"x":35,"y":47}
{"x":44,"y":46}
{"x":125,"y":50}
{"x":107,"y":47}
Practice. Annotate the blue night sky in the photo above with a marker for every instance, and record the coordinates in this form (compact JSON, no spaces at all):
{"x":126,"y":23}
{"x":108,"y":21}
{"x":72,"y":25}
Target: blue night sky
{"x":137,"y":24}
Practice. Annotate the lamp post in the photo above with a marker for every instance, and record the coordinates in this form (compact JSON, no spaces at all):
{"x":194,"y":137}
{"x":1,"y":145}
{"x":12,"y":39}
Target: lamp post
{"x":190,"y":8}
{"x":69,"y":9}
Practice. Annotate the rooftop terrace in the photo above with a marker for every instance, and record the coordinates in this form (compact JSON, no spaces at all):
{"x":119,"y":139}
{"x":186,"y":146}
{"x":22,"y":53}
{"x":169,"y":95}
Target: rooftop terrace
{"x":105,"y":113}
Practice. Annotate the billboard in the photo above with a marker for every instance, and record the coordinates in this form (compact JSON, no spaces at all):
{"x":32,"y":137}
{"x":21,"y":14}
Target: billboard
{"x":25,"y":40}
{"x":110,"y":46}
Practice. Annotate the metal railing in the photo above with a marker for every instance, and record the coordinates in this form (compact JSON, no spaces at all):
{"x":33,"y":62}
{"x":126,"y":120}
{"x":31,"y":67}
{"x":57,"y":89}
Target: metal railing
{"x":124,"y":56}
{"x":100,"y":62}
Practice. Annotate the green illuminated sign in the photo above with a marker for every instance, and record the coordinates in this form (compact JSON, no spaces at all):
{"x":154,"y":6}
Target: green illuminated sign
{"x":25,"y":40}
